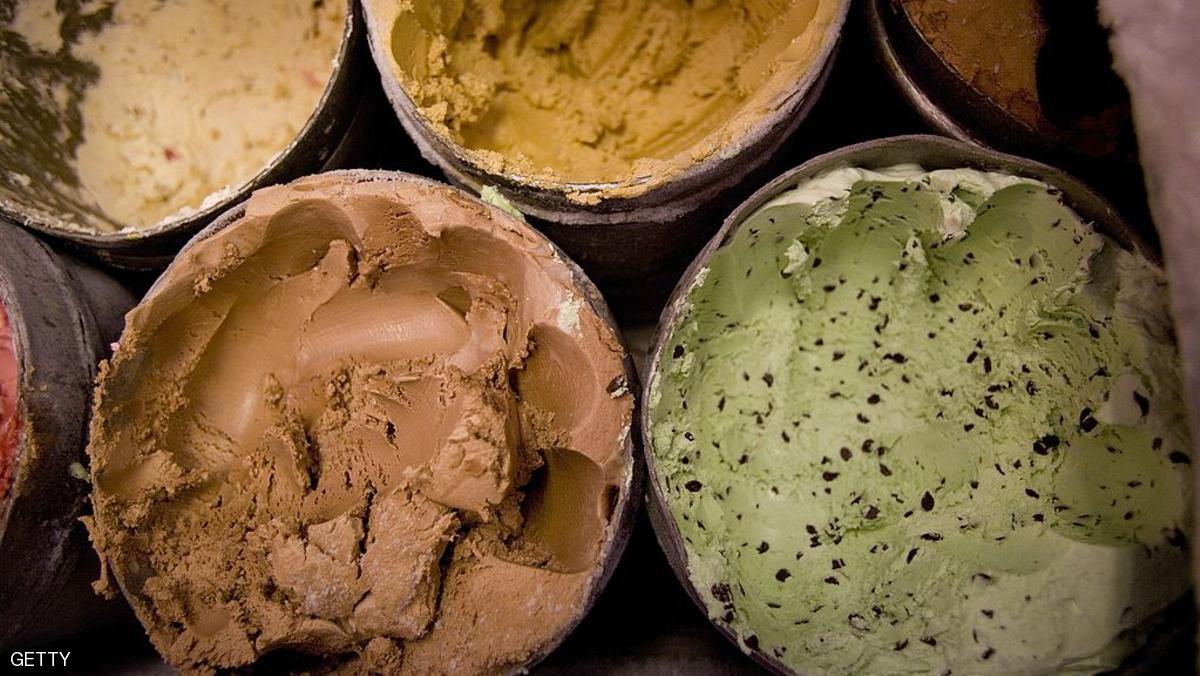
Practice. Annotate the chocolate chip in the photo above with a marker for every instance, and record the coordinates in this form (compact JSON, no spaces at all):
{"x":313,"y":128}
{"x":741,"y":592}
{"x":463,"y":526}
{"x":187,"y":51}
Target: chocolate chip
{"x":846,"y":453}
{"x":693,"y":485}
{"x":1142,"y":402}
{"x":763,"y":547}
{"x":783,"y":574}
{"x":1180,"y":458}
{"x":1176,"y":538}
{"x":927,"y":502}
{"x":722,"y":593}
{"x":677,"y":352}
{"x":1047,"y":443}
{"x":616,"y":385}
{"x":1087,"y":423}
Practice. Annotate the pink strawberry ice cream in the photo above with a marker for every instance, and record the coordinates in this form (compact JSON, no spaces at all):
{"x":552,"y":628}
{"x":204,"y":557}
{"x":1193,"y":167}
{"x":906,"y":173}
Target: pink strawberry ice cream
{"x":10,"y":422}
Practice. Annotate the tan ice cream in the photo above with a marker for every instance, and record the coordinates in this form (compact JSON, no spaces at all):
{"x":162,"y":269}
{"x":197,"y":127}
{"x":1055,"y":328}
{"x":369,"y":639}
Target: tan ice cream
{"x":598,"y":90}
{"x":371,"y":419}
{"x":197,"y":96}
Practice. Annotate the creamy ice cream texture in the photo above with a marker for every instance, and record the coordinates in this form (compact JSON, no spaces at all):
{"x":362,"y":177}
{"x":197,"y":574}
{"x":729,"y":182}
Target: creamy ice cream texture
{"x":10,"y":420}
{"x":912,"y":422}
{"x":371,"y":419}
{"x":570,"y":91}
{"x":192,"y":98}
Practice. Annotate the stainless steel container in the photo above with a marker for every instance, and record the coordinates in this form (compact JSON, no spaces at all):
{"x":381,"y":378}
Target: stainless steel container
{"x":64,"y":315}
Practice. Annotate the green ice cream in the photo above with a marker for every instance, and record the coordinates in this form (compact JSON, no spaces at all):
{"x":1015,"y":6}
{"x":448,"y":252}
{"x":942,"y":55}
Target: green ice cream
{"x":913,"y":422}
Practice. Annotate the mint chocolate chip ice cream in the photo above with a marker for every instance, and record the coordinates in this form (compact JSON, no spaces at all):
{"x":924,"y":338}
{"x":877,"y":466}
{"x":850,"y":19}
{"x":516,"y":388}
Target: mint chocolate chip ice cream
{"x":926,"y":422}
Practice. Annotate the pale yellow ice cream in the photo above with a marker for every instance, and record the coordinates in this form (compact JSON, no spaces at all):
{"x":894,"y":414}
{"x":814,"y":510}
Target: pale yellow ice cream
{"x":197,"y":96}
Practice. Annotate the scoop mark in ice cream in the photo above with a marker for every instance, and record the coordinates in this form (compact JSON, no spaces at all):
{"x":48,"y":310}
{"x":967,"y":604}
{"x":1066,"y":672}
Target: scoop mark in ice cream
{"x":574,"y":91}
{"x":349,"y":424}
{"x":982,"y":399}
{"x":10,"y":418}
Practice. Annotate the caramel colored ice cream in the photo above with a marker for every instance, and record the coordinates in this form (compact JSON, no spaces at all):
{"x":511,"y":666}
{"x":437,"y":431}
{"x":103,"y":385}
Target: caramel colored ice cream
{"x":373,"y":419}
{"x":10,"y":421}
{"x":598,"y":91}
{"x":197,"y":96}
{"x":966,"y":34}
{"x":1044,"y":63}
